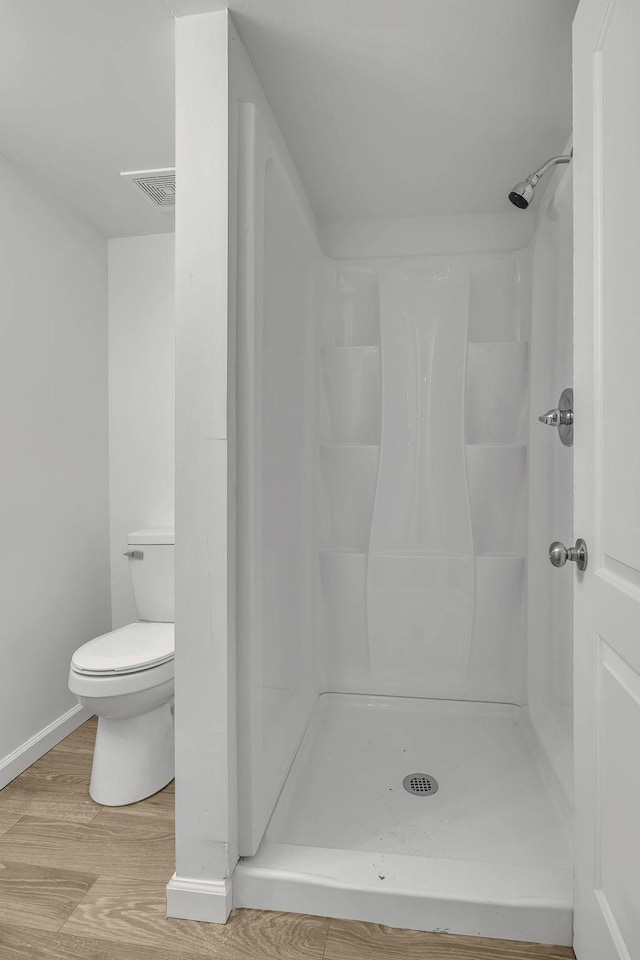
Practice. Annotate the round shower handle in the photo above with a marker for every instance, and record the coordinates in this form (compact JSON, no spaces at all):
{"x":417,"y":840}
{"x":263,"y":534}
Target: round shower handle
{"x":559,"y":554}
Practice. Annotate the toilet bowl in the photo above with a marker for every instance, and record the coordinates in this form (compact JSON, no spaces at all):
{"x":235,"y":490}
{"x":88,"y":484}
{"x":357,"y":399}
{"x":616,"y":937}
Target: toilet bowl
{"x":125,"y":678}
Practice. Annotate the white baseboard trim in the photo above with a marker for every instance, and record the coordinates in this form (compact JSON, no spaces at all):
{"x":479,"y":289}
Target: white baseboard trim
{"x":27,"y":753}
{"x":208,"y":900}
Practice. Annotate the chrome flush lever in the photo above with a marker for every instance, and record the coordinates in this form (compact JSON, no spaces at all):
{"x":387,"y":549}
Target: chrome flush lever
{"x":134,"y":554}
{"x":562,"y":417}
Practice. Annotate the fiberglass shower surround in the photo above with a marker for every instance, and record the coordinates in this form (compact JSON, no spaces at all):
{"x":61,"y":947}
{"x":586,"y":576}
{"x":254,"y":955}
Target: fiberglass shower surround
{"x":423,"y":480}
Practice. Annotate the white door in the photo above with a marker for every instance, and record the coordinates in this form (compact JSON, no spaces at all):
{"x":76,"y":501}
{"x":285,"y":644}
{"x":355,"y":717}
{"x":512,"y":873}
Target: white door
{"x":607,"y":478}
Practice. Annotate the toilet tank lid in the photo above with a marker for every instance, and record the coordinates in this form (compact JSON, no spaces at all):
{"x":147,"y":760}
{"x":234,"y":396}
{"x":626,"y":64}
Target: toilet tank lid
{"x":153,"y":535}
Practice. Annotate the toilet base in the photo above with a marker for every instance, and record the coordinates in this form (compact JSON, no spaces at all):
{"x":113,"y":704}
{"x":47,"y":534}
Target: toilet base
{"x":133,"y":757}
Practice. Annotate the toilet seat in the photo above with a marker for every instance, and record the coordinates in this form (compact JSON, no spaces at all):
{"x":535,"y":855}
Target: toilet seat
{"x":120,"y":684}
{"x":137,"y":647}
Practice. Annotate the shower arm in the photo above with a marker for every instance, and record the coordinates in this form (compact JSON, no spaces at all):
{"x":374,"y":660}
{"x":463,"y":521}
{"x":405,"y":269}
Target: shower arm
{"x":540,"y":172}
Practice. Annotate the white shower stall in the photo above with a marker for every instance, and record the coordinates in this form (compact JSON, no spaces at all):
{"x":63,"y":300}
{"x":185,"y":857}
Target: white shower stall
{"x":382,"y":590}
{"x":386,"y":500}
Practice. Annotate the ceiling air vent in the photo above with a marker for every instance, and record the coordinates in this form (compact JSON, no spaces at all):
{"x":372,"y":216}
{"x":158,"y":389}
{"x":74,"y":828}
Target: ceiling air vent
{"x":157,"y":186}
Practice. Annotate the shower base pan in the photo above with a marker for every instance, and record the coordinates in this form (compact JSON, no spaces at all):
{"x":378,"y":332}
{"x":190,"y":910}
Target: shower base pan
{"x":487,"y":854}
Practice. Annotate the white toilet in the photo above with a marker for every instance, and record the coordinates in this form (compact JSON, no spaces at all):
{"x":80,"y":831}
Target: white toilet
{"x":126,"y":678}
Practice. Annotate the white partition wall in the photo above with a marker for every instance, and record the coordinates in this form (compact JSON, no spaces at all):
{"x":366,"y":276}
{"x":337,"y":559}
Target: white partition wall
{"x":206,"y":804}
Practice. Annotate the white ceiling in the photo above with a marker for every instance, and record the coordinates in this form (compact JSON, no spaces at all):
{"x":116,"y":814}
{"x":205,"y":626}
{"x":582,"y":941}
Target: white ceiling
{"x":86,"y":90}
{"x":397,"y":108}
{"x":390,"y":109}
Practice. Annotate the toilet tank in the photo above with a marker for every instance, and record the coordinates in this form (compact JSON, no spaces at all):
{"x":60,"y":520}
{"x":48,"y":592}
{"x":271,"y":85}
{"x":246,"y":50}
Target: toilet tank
{"x":152,"y":572}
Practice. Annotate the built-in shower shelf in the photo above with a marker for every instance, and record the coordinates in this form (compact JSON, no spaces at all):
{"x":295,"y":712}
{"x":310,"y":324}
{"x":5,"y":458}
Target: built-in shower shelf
{"x":497,"y":555}
{"x":350,"y":394}
{"x":498,"y":343}
{"x":343,"y":348}
{"x":496,"y":392}
{"x":499,"y":446}
{"x":347,"y":489}
{"x":419,"y":555}
{"x":349,"y":446}
{"x":327,"y":346}
{"x":342,"y":551}
{"x":351,"y":307}
{"x":497,"y":481}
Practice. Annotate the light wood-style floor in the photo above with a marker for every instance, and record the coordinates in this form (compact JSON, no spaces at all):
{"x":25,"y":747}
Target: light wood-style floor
{"x":84,"y":882}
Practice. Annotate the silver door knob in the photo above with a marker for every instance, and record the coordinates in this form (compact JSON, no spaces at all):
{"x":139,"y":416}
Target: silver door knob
{"x":559,"y":554}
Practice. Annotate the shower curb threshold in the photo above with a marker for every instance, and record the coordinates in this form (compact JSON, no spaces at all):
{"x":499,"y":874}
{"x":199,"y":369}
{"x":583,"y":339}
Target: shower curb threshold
{"x":505,"y":901}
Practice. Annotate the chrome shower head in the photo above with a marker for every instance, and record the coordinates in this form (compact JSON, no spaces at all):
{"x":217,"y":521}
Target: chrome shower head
{"x":523,"y":192}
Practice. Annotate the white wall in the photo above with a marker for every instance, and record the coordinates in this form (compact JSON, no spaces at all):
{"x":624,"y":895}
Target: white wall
{"x":54,"y":564}
{"x":141,"y":398}
{"x":206,"y":804}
